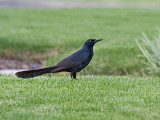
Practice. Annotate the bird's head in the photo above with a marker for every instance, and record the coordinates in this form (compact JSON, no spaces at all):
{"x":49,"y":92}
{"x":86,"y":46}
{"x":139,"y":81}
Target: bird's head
{"x":91,"y":42}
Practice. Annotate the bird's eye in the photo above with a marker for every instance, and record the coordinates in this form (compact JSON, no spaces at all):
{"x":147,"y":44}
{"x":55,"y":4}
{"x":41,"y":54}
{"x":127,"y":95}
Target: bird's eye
{"x":91,"y":41}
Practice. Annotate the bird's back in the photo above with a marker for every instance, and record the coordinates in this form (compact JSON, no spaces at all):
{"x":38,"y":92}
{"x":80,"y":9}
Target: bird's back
{"x":76,"y":61}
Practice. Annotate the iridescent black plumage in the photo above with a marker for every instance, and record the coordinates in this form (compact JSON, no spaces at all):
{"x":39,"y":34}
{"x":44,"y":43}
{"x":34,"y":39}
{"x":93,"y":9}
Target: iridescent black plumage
{"x":74,"y":63}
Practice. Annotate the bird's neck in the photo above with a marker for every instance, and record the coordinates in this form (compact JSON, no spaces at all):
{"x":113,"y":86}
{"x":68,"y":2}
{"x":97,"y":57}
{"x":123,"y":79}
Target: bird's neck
{"x":90,"y":49}
{"x":87,"y":47}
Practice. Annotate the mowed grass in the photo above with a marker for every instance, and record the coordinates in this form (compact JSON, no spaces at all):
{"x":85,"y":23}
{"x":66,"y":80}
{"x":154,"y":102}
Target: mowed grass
{"x":64,"y":31}
{"x":90,"y":97}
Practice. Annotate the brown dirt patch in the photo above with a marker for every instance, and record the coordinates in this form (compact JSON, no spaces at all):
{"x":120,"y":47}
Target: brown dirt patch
{"x":6,"y":63}
{"x":25,"y":61}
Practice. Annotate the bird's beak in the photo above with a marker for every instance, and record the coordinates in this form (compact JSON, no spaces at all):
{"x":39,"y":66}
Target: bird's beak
{"x":97,"y":40}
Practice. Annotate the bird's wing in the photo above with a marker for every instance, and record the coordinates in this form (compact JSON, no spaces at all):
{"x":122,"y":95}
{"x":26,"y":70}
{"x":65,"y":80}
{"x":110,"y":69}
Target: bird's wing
{"x":75,"y":59}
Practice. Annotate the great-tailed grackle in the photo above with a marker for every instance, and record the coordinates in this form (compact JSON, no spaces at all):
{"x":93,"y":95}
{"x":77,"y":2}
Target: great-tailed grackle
{"x":74,"y":63}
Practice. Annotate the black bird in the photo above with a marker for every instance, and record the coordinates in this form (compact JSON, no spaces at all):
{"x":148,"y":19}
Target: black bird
{"x":74,"y":63}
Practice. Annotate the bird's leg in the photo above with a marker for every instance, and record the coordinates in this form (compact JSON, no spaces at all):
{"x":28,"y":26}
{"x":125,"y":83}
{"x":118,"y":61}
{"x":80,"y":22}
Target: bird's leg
{"x":73,"y":75}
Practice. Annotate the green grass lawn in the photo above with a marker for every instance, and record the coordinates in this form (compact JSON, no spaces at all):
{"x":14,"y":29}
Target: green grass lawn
{"x":64,"y":31}
{"x":90,"y":97}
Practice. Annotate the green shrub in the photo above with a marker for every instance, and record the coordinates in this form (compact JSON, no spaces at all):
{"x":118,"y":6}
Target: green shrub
{"x":151,"y":51}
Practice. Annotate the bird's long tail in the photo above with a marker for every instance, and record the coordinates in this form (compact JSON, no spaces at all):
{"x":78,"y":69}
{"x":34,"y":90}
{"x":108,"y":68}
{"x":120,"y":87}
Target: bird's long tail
{"x":34,"y":73}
